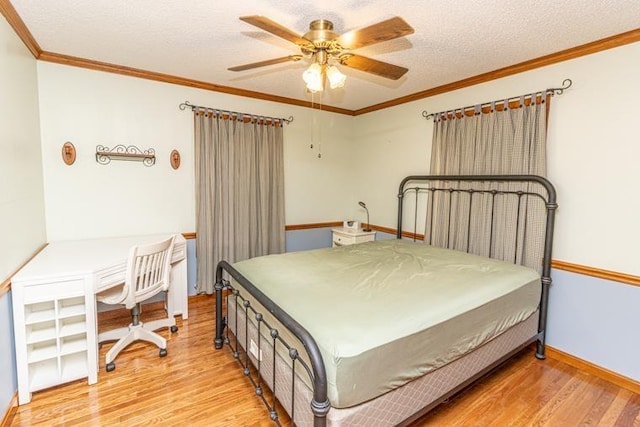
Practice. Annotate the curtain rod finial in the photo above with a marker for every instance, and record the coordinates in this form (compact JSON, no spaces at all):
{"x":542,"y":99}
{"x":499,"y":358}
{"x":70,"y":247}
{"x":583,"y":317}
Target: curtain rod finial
{"x":428,"y":115}
{"x":566,"y":84}
{"x":186,"y":105}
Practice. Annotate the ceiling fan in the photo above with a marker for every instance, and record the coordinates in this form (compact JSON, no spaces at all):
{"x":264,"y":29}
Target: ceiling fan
{"x":323,"y":45}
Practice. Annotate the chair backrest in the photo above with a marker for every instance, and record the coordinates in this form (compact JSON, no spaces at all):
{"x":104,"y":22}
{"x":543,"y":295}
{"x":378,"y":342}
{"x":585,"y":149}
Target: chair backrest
{"x":148,"y":271}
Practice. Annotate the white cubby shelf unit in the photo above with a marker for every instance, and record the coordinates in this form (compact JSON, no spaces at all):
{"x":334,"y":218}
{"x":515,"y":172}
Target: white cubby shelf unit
{"x":55,"y":334}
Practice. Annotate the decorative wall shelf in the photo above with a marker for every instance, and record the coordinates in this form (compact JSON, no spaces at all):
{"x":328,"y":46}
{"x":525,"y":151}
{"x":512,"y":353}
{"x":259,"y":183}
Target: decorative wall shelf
{"x":104,"y":155}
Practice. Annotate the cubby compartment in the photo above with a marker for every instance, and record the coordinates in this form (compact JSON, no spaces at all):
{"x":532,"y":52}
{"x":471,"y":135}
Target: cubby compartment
{"x":43,"y":374}
{"x":39,"y":312}
{"x":72,"y":326}
{"x":42,"y":331}
{"x":71,"y":307}
{"x":73,"y":344}
{"x":42,"y":350}
{"x":73,"y":366}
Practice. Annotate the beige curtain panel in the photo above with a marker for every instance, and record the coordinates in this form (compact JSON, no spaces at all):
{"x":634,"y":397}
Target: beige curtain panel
{"x":239,"y":166}
{"x":509,"y":140}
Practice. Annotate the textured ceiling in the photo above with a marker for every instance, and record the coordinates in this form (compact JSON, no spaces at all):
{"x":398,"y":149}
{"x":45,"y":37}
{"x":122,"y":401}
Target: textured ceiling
{"x":200,"y":39}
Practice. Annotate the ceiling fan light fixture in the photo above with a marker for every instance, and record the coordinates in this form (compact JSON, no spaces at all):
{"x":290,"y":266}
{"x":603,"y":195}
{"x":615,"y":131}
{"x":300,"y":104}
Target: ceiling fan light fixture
{"x":336,"y":78}
{"x":323,"y":47}
{"x":313,"y":77}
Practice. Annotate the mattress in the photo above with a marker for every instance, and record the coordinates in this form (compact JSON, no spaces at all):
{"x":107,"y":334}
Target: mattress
{"x":386,"y":312}
{"x":398,"y":405}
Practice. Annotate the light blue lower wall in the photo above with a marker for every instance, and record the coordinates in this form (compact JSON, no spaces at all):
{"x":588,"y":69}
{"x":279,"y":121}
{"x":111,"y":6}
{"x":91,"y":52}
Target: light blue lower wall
{"x":302,"y":240}
{"x":596,"y":320}
{"x":8,"y":378}
{"x":191,"y":266}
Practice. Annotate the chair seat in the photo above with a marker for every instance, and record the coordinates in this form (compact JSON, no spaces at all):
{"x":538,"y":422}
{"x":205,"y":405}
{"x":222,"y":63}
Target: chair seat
{"x":147,"y":274}
{"x":111,"y":296}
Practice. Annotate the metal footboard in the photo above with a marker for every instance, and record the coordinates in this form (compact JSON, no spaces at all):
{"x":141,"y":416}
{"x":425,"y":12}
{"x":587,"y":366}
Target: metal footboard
{"x":320,"y":403}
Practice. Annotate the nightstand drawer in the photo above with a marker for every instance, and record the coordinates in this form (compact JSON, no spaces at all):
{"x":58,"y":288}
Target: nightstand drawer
{"x":344,"y":237}
{"x":342,"y":240}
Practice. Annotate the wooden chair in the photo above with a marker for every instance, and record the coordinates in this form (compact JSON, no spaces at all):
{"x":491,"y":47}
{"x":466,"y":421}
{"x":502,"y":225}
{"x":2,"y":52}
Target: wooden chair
{"x":148,"y":273}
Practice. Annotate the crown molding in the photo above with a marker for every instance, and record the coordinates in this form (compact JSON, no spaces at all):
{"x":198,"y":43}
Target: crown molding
{"x":554,"y":58}
{"x":575,"y":52}
{"x":12,"y":17}
{"x":182,"y":81}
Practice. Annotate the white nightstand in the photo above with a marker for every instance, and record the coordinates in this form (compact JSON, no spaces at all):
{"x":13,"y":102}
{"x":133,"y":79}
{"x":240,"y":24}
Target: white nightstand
{"x":348,"y":236}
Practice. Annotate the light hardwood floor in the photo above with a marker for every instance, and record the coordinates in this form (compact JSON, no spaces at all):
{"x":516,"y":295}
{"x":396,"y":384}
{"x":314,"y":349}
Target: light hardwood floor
{"x":197,"y":385}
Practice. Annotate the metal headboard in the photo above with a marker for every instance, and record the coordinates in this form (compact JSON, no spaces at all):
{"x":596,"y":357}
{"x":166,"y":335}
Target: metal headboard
{"x":493,"y":186}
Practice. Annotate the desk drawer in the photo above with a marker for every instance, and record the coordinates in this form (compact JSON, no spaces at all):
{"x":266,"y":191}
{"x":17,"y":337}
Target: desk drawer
{"x":53,"y":290}
{"x":109,"y":277}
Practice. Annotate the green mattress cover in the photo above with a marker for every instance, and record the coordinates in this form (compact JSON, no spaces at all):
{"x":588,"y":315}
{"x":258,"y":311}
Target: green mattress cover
{"x":386,"y":312}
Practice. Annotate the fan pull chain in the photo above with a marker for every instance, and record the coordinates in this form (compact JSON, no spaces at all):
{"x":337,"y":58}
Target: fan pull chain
{"x":320,"y":130}
{"x":315,"y":128}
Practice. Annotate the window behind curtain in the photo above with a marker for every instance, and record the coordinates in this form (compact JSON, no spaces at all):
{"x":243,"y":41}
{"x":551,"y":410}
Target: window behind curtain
{"x":239,"y":190}
{"x":506,"y":140}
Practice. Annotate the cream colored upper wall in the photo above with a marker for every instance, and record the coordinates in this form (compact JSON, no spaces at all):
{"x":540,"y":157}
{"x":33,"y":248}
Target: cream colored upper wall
{"x":363,"y":158}
{"x":22,"y":225}
{"x":593,"y":152}
{"x":391,"y":144}
{"x":92,"y":108}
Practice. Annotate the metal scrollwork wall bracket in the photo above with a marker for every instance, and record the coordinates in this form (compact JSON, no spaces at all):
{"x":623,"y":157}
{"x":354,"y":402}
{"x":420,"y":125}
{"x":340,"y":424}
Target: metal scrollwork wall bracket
{"x":104,"y":155}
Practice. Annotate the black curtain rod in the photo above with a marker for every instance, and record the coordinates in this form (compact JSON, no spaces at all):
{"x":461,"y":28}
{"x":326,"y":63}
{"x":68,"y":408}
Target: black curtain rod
{"x":187,"y":104}
{"x":566,"y":84}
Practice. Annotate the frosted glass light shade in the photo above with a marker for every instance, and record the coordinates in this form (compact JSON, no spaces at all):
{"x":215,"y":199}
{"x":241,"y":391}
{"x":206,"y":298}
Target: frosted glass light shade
{"x":313,"y":77}
{"x":336,"y":78}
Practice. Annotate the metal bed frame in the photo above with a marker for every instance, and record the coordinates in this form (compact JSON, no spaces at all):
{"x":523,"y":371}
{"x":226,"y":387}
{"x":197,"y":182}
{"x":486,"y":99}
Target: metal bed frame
{"x":493,"y":186}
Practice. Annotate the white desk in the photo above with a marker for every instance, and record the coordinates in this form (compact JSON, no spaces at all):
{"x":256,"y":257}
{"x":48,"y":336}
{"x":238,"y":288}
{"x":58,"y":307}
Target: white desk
{"x":54,"y":306}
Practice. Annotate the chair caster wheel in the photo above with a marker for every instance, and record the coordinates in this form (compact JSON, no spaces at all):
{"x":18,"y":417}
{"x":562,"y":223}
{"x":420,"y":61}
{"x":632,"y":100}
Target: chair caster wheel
{"x":111,"y":366}
{"x":174,"y":329}
{"x":163,"y":352}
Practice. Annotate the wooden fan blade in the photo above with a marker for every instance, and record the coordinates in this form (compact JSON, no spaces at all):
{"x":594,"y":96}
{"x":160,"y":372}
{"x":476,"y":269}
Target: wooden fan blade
{"x":265,"y":63}
{"x":274,"y":28}
{"x":379,"y":68}
{"x":376,"y":33}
